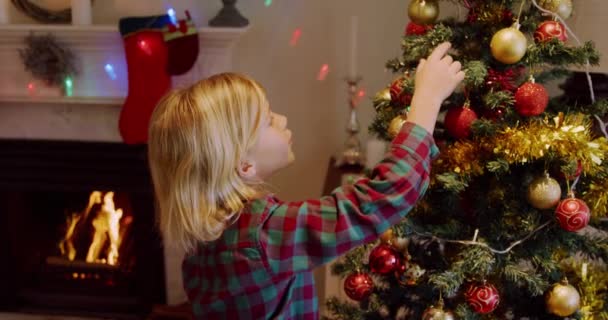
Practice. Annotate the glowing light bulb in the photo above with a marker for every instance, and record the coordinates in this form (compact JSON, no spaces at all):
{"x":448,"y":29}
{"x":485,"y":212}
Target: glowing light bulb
{"x":295,"y":37}
{"x":172,"y":16}
{"x":68,"y":85}
{"x":267,"y":3}
{"x":110,"y":71}
{"x":31,"y":88}
{"x":323,"y":72}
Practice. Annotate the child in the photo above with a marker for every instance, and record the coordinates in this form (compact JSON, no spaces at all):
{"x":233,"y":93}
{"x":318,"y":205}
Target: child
{"x":251,"y":255}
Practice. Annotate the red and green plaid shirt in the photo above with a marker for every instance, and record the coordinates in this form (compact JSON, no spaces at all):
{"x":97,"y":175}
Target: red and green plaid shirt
{"x":261,"y":266}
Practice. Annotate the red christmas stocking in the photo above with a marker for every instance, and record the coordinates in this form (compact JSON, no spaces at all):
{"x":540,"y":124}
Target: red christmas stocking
{"x":147,"y":59}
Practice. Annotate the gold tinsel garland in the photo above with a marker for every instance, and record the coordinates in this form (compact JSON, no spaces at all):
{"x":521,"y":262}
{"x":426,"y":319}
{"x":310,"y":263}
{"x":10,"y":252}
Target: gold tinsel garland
{"x":596,"y":196}
{"x":569,"y":141}
{"x":591,"y":280}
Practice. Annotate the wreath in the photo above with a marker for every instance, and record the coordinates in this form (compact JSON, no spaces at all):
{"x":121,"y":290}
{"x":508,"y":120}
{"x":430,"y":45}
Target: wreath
{"x":41,"y":14}
{"x":47,"y":59}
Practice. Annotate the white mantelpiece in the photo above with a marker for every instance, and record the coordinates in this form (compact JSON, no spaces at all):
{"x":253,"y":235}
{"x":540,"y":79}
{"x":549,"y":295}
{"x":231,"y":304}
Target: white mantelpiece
{"x":92,"y":113}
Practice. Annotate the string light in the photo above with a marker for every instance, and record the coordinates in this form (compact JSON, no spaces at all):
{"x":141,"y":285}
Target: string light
{"x":295,"y":37}
{"x":323,"y":72}
{"x":483,"y":244}
{"x":267,"y":3}
{"x":110,"y":71}
{"x":68,"y":85}
{"x":31,"y":88}
{"x":171,"y":14}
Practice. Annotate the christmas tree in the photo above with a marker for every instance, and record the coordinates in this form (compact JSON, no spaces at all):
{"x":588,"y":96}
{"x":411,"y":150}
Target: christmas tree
{"x":513,"y":224}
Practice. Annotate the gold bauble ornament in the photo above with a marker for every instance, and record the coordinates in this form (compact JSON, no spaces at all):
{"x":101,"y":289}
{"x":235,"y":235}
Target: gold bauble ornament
{"x":509,"y":45}
{"x":423,"y":11}
{"x":437,"y":313}
{"x":382,"y":95}
{"x":395,"y":126}
{"x":562,"y":299}
{"x":401,"y":244}
{"x":544,"y":192}
{"x":563,"y":8}
{"x":387,"y":236}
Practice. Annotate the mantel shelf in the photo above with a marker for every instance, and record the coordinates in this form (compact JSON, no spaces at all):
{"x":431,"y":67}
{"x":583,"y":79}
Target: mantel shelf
{"x":13,"y":34}
{"x":106,"y":101}
{"x":94,"y":47}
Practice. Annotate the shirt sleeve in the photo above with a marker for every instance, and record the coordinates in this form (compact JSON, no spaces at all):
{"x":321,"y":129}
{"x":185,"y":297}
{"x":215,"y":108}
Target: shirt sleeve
{"x":298,"y":236}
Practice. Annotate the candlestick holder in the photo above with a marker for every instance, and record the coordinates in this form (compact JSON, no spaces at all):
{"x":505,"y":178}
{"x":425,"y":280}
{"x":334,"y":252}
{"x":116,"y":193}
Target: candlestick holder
{"x":352,"y":155}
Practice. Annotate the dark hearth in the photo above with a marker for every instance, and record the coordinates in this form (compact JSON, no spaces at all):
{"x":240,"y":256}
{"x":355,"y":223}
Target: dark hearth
{"x":77,"y":231}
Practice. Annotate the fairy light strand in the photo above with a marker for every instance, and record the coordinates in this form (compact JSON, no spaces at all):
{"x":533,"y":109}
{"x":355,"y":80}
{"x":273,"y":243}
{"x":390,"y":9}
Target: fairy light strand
{"x":474,"y":242}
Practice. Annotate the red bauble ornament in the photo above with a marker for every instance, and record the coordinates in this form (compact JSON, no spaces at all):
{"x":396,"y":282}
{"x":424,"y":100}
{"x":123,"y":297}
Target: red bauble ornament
{"x":572,"y":214}
{"x":358,"y":286}
{"x":482,"y":298}
{"x":549,"y":30}
{"x":413,"y":28}
{"x":458,"y":121}
{"x":398,"y":94}
{"x":531,"y":99}
{"x":384,"y":259}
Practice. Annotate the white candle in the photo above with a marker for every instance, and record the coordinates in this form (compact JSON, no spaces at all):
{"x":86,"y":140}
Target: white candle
{"x":354,"y":24}
{"x":375,"y":151}
{"x":81,"y":12}
{"x":5,"y":6}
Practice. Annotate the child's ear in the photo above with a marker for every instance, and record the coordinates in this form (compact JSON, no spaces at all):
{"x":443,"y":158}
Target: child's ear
{"x":246,"y":170}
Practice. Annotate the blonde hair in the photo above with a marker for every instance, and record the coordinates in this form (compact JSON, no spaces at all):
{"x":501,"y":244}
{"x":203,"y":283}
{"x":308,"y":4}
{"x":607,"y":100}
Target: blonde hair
{"x":197,"y":137}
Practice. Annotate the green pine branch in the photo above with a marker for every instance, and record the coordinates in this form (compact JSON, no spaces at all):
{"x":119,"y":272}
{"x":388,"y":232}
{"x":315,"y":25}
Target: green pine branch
{"x":555,"y":52}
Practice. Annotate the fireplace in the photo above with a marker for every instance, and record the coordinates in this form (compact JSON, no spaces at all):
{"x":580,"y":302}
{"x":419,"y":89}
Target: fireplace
{"x":77,"y":233}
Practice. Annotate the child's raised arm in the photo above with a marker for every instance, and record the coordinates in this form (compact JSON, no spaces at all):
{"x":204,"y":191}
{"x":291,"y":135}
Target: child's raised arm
{"x":298,"y":236}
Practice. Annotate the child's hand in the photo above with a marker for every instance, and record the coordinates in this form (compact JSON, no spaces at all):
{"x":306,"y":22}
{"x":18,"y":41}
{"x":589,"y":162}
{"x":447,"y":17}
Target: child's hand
{"x":436,"y":79}
{"x":438,"y":75}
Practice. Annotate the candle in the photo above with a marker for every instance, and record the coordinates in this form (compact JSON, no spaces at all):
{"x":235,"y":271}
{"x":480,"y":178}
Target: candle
{"x":4,"y":8}
{"x":81,"y":12}
{"x":354,"y":22}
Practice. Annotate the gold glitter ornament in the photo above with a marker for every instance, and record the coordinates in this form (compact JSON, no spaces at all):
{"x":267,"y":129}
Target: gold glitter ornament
{"x":395,"y":126}
{"x":563,"y":8}
{"x":544,"y":192}
{"x":437,"y":313}
{"x":387,"y":236}
{"x":423,"y":11}
{"x":383,"y":95}
{"x":562,"y":299}
{"x":509,"y":45}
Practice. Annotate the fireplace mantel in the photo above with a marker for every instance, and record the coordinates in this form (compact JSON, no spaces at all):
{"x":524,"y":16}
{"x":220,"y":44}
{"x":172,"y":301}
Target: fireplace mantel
{"x":94,"y":47}
{"x":92,"y":112}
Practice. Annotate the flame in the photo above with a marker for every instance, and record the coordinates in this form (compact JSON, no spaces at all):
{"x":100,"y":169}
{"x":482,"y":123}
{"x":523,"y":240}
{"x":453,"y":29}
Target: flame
{"x":109,"y":231}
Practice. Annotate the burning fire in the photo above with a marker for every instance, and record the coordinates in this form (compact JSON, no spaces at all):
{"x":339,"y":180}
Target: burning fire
{"x":109,"y":229}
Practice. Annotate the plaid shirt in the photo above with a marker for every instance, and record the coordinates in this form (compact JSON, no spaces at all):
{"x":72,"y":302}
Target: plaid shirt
{"x":260,"y":268}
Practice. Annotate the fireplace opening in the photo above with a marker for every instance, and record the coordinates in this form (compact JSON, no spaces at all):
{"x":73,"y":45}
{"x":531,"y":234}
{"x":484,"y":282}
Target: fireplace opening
{"x":77,"y":233}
